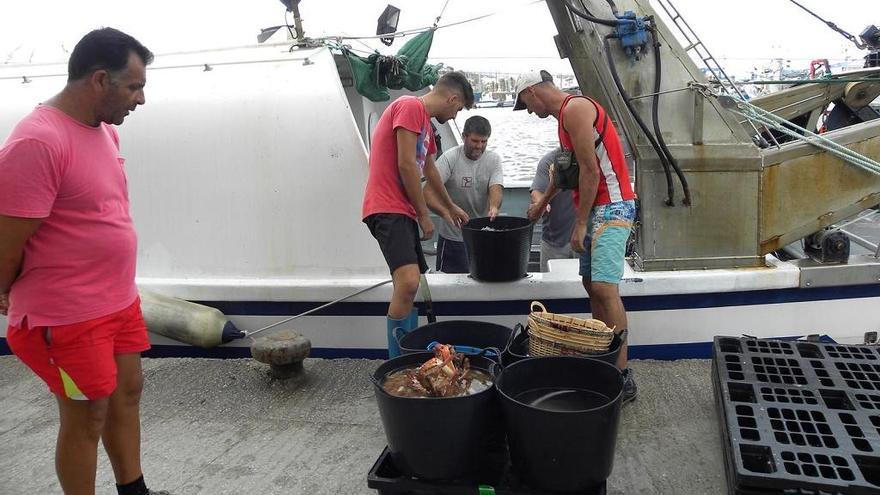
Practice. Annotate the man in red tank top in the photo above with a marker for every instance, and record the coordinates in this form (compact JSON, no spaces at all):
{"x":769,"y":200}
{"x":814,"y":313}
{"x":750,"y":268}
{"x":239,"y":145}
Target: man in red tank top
{"x":604,"y":199}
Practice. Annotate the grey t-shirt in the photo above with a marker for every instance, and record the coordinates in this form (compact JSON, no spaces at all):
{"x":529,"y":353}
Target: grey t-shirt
{"x":558,"y":223}
{"x":468,"y":184}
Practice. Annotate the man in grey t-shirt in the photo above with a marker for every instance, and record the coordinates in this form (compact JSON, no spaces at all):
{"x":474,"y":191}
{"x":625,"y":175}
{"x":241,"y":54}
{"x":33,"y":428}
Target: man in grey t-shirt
{"x":475,"y":182}
{"x":559,"y":220}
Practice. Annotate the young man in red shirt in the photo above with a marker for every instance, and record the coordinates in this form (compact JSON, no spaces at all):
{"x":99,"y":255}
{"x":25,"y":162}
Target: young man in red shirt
{"x":394,"y":208}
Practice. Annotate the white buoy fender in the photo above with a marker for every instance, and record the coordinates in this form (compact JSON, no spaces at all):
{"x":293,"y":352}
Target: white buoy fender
{"x":187,"y":322}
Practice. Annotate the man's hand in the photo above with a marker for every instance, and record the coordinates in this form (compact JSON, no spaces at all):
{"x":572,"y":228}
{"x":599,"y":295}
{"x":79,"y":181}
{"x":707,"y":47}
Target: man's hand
{"x":4,"y":303}
{"x":536,"y":210}
{"x":427,"y":226}
{"x":457,"y":216}
{"x":493,"y":212}
{"x":577,"y":237}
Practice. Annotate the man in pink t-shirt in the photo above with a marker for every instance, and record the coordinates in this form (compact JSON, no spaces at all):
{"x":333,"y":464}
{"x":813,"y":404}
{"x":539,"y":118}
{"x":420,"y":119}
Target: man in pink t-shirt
{"x":402,"y":152}
{"x":67,"y":259}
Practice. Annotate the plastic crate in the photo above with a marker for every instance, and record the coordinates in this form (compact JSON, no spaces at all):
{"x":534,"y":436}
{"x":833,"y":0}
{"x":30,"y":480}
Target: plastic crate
{"x":798,"y":417}
{"x":387,"y":479}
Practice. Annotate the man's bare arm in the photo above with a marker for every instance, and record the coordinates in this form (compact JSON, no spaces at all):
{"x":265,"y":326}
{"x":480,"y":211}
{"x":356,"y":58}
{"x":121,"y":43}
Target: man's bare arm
{"x":579,"y":117}
{"x":14,"y":233}
{"x":409,"y":169}
{"x":433,"y":202}
{"x":496,"y":195}
{"x":442,"y":201}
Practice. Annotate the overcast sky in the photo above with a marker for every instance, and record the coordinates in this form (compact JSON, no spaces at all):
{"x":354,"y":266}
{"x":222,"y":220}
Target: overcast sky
{"x":741,"y":33}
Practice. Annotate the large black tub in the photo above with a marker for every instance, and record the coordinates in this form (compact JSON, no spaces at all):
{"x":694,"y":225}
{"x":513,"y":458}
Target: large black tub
{"x":518,"y":349}
{"x":500,"y":254}
{"x":439,"y":438}
{"x":561,"y":415}
{"x":460,"y":333}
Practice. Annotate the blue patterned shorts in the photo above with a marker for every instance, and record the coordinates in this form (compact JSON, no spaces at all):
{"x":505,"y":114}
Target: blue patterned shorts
{"x":608,"y":229}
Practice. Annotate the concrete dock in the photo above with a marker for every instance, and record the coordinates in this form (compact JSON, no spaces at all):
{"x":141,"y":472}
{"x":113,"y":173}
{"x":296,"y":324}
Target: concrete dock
{"x":224,"y":427}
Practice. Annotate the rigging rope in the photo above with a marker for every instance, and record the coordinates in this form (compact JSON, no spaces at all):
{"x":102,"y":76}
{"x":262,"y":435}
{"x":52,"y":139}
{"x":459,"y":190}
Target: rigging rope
{"x":437,"y":20}
{"x":851,"y":38}
{"x":769,"y":120}
{"x":835,"y":80}
{"x":423,"y":29}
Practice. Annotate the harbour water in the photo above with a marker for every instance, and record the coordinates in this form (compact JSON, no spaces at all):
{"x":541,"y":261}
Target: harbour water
{"x":520,"y":138}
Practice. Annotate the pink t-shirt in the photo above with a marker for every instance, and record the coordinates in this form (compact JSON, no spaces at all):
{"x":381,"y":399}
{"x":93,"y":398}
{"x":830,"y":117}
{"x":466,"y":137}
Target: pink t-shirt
{"x":80,"y":263}
{"x":385,"y":192}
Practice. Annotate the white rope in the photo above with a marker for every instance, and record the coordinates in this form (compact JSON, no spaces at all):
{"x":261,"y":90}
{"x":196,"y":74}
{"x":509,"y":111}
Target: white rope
{"x":769,"y":120}
{"x":331,"y":303}
{"x":437,"y":20}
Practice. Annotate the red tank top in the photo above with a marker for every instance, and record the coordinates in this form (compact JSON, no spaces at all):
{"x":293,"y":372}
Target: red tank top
{"x":613,"y":177}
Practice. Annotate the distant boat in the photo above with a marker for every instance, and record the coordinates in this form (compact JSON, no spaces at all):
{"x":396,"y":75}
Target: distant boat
{"x":494,"y":103}
{"x":487,"y":104}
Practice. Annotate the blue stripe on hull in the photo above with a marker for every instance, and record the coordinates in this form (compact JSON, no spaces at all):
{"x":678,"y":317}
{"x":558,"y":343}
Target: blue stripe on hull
{"x":671,"y":352}
{"x":513,"y":307}
{"x":666,"y":352}
{"x":575,"y":305}
{"x":180,"y":351}
{"x":162,"y":351}
{"x":701,"y":350}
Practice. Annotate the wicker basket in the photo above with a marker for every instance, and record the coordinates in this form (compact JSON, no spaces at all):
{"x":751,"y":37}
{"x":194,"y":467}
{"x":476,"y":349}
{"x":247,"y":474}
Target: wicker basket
{"x":552,"y":334}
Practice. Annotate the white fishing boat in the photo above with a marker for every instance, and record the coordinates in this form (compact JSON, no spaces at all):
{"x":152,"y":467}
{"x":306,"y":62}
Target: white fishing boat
{"x":247,"y":167}
{"x":489,"y":103}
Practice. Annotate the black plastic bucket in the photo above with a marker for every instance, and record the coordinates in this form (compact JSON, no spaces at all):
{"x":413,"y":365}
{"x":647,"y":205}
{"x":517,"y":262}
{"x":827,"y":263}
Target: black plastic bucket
{"x":498,"y":255}
{"x":460,"y":333}
{"x":568,"y":443}
{"x":519,"y":348}
{"x":439,"y":438}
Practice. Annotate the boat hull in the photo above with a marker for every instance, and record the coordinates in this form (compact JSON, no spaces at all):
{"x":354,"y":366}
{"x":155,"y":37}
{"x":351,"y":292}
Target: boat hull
{"x":662,"y":326}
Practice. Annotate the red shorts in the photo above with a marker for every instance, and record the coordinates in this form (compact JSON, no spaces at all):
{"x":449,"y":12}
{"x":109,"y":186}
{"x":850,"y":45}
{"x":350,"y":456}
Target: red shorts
{"x":77,"y":361}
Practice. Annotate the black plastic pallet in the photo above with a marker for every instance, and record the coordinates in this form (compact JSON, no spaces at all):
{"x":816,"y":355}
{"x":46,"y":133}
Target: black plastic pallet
{"x":806,"y":364}
{"x":387,"y":479}
{"x":798,"y":417}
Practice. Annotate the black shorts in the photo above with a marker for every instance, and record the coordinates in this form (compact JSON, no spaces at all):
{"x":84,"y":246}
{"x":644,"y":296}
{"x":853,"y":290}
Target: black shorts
{"x":452,"y":256}
{"x":399,"y":240}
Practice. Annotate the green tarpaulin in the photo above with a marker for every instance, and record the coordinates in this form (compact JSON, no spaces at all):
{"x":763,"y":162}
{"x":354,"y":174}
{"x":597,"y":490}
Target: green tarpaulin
{"x":374,"y":75}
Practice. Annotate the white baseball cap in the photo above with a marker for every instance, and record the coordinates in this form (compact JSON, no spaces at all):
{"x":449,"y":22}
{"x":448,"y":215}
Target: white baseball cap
{"x":526,"y":80}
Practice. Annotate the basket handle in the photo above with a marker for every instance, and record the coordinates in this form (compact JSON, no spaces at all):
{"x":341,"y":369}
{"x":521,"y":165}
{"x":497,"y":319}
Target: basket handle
{"x":539,"y":305}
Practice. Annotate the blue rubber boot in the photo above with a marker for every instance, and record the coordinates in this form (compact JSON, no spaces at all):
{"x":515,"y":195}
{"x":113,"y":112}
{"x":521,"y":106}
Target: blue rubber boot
{"x":393,"y":348}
